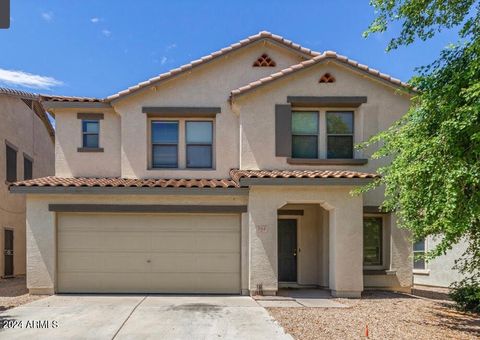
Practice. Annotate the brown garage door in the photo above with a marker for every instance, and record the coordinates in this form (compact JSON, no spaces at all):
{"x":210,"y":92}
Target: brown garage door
{"x":142,"y":253}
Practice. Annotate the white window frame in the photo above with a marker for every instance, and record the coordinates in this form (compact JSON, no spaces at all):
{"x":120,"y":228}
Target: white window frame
{"x":182,"y":143}
{"x":322,"y":128}
{"x":421,"y":271}
{"x":386,"y":232}
{"x":90,"y":120}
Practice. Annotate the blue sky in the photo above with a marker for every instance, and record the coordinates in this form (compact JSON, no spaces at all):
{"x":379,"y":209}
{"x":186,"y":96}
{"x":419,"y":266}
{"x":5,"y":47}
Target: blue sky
{"x":96,"y":48}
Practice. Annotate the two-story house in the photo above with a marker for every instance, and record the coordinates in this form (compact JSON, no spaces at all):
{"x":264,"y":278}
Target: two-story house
{"x":231,"y":174}
{"x":27,"y":152}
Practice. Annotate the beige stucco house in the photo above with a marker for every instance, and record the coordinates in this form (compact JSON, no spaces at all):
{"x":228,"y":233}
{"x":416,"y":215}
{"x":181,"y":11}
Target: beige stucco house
{"x":27,"y":152}
{"x":232,"y":174}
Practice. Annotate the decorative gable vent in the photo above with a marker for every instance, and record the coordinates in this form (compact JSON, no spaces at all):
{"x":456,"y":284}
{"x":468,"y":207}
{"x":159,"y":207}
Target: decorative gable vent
{"x":264,"y":61}
{"x":327,"y":78}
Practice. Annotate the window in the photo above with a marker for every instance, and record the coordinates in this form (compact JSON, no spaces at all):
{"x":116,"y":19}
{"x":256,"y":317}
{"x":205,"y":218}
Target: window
{"x":372,"y":241}
{"x":164,"y":144}
{"x":11,"y":164}
{"x":199,"y":139}
{"x":27,"y":168}
{"x":90,"y":133}
{"x":418,"y":253}
{"x":304,"y":134}
{"x":340,"y":134}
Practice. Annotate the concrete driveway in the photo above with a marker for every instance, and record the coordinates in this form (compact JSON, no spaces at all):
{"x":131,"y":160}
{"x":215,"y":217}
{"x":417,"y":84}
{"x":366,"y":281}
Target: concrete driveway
{"x":140,"y":317}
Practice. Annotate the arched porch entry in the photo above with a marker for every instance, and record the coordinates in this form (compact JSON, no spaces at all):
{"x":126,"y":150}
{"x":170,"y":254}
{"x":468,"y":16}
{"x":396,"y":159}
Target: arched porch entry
{"x":322,"y":226}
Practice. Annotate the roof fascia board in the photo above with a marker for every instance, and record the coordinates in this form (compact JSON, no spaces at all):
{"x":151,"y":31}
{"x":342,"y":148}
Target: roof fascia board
{"x":326,"y":61}
{"x":75,"y":105}
{"x":148,"y":208}
{"x":202,"y":63}
{"x":305,"y":181}
{"x":128,"y":191}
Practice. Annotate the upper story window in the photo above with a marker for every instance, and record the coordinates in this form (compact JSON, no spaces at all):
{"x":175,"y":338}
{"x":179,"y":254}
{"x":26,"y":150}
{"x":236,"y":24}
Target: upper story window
{"x":304,"y":134}
{"x":339,"y":134}
{"x":418,"y":255}
{"x":27,"y":168}
{"x":165,"y":144}
{"x":372,"y":241}
{"x":11,"y":164}
{"x":90,"y":133}
{"x":322,"y":134}
{"x":199,"y":144}
{"x":182,"y":144}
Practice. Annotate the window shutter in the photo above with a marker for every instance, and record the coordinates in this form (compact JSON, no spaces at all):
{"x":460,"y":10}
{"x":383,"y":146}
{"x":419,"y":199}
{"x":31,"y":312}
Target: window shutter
{"x":283,"y":130}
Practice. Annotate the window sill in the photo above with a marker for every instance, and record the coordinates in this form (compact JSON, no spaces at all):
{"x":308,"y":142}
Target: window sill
{"x":379,"y":272}
{"x":315,"y":161}
{"x":89,"y":149}
{"x":182,"y":169}
{"x":425,"y":272}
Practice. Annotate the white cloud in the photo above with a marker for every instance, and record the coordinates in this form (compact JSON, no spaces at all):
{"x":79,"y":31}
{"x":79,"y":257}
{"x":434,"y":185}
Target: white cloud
{"x":47,"y":16}
{"x":94,"y":20}
{"x":25,"y":79}
{"x":164,"y":60}
{"x":106,"y":33}
{"x":171,"y":47}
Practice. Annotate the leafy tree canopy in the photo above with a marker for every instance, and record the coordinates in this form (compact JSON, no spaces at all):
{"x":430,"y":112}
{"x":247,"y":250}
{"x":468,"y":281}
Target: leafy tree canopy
{"x":433,"y":180}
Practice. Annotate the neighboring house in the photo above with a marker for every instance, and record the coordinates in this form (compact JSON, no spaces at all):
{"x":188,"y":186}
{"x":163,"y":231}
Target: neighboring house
{"x":231,"y":174}
{"x":440,"y":271}
{"x":27,"y":152}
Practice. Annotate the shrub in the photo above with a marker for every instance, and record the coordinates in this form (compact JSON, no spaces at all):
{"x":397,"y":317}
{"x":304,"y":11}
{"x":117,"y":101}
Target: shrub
{"x":466,"y":295}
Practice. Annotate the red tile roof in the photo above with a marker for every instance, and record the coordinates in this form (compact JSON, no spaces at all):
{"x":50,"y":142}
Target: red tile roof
{"x":262,"y":35}
{"x":125,"y":182}
{"x":54,"y":98}
{"x":319,"y":58}
{"x":238,"y":174}
{"x":233,"y":182}
{"x":18,"y":93}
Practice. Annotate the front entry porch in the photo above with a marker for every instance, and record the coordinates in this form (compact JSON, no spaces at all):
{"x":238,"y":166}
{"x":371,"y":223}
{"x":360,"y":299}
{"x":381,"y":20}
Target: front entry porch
{"x":305,"y":237}
{"x":302,"y":237}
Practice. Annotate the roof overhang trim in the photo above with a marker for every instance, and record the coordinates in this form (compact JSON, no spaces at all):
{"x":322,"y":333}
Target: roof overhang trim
{"x":82,"y":190}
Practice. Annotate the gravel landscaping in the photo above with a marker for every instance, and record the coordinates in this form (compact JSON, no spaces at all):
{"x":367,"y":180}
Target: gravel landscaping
{"x":388,"y":316}
{"x":13,"y":293}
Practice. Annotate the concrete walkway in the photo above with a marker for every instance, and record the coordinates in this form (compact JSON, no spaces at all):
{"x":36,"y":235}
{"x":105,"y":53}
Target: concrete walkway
{"x":300,"y":298}
{"x":140,"y":317}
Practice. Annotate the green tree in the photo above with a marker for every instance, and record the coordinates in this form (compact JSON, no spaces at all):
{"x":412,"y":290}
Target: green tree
{"x":433,"y":180}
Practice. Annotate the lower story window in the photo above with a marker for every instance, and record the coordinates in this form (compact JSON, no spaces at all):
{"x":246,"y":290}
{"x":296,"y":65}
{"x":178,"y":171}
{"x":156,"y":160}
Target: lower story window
{"x":418,"y":254}
{"x":372,"y":241}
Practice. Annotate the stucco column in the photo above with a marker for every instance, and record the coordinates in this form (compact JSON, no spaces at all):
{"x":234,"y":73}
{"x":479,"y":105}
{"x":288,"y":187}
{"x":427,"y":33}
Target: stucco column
{"x":262,"y":221}
{"x":346,"y":248}
{"x":41,"y":247}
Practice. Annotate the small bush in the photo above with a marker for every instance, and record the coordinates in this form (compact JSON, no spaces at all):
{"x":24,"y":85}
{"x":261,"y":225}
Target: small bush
{"x":466,"y":295}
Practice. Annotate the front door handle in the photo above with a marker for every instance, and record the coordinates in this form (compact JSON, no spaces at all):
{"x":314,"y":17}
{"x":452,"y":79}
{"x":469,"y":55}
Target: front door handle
{"x":294,"y":252}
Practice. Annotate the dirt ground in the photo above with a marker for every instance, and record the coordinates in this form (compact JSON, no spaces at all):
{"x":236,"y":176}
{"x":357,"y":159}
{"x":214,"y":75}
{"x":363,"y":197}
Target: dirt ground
{"x":13,"y":293}
{"x":387,"y":316}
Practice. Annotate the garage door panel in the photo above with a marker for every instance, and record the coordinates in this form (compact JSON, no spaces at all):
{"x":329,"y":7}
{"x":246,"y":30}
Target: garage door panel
{"x":99,"y":262}
{"x":195,"y":241}
{"x":193,"y":262}
{"x":103,"y":283}
{"x":159,"y":253}
{"x":96,"y":240}
{"x":220,"y":283}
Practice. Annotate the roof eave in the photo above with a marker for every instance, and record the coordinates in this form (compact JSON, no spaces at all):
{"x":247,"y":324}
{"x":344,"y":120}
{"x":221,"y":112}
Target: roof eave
{"x":263,"y":36}
{"x":85,"y":190}
{"x":242,"y":91}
